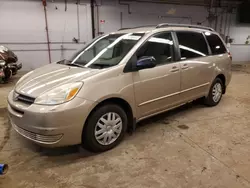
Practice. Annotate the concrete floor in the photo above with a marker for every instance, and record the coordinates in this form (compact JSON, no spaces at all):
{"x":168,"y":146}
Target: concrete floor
{"x":192,"y":146}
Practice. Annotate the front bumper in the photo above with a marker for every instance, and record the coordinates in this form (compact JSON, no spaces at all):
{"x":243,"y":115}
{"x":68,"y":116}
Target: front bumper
{"x":19,"y":66}
{"x":15,"y":65}
{"x":50,"y":126}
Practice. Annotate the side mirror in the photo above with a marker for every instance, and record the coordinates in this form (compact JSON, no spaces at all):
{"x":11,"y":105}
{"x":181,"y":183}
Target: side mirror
{"x":146,"y":62}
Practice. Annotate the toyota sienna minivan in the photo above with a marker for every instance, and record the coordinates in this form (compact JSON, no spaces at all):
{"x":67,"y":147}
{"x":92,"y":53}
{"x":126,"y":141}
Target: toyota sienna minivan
{"x":116,"y":81}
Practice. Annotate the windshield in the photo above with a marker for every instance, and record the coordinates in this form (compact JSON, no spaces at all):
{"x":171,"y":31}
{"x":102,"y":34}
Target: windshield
{"x":105,"y":51}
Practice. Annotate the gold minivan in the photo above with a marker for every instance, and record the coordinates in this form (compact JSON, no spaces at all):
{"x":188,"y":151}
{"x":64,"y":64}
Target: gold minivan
{"x":116,"y":81}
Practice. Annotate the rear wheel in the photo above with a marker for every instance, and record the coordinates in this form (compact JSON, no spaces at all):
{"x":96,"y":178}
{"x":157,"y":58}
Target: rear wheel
{"x":105,"y":128}
{"x":215,"y":93}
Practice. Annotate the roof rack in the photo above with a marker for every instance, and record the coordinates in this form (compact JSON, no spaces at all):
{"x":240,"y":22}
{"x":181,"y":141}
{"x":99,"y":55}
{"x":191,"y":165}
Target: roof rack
{"x":162,"y":25}
{"x":143,"y":26}
{"x":183,"y":25}
{"x":124,"y":28}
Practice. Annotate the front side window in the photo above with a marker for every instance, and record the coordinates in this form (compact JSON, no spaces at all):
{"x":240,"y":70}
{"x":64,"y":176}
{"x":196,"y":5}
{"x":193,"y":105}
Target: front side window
{"x":159,"y":46}
{"x":215,"y":43}
{"x":106,"y":51}
{"x":192,"y":45}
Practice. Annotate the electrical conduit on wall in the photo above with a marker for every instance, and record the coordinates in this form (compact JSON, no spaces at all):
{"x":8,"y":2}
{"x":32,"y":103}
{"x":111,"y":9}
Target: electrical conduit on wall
{"x":47,"y":28}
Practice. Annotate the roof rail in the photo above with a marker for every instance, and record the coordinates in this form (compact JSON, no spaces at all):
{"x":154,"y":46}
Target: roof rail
{"x":143,"y":26}
{"x":183,"y":25}
{"x":124,"y":29}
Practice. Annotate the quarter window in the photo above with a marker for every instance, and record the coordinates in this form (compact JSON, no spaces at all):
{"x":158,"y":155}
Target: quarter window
{"x":192,"y":45}
{"x":159,"y":46}
{"x":215,"y":43}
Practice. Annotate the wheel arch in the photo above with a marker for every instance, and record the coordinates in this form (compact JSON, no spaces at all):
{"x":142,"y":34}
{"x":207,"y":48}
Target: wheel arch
{"x":223,"y":79}
{"x":118,"y":101}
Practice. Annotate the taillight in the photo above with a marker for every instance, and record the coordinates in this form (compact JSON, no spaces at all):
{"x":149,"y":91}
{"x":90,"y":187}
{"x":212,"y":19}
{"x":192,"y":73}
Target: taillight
{"x":230,"y":56}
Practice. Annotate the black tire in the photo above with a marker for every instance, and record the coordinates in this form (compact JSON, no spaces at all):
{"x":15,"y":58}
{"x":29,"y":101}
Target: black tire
{"x":89,"y":140}
{"x":14,"y":71}
{"x":209,"y":100}
{"x":8,"y":75}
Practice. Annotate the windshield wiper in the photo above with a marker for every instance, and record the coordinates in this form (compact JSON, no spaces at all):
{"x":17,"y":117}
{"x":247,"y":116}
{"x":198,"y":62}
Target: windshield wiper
{"x":102,"y":65}
{"x":74,"y":65}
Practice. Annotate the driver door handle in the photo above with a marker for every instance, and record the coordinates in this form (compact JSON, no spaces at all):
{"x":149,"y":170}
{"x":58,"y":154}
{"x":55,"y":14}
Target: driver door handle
{"x":174,"y":69}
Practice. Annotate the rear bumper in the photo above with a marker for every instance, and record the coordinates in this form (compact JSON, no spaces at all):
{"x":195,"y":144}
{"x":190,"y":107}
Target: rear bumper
{"x":229,"y":77}
{"x":50,"y":126}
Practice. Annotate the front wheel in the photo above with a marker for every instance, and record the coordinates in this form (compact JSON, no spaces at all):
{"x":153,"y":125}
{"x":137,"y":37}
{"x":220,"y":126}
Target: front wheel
{"x":215,"y":93}
{"x":105,"y":128}
{"x":8,"y":74}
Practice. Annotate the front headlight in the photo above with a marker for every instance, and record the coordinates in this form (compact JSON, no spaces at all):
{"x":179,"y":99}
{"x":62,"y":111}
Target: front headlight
{"x":59,"y":95}
{"x":2,"y":63}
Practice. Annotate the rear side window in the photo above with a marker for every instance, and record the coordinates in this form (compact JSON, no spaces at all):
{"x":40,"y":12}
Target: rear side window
{"x":192,"y":45}
{"x":215,"y":43}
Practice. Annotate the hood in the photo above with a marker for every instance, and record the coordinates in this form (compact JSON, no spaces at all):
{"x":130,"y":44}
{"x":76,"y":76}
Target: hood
{"x":50,"y":76}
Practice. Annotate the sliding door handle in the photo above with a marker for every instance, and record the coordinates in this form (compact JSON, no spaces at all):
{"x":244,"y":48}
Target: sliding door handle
{"x":185,"y":66}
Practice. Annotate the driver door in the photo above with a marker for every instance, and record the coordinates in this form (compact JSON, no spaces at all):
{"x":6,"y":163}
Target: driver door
{"x":157,"y":89}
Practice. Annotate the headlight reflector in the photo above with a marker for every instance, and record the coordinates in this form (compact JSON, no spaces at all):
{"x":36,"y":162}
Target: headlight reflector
{"x":59,"y":95}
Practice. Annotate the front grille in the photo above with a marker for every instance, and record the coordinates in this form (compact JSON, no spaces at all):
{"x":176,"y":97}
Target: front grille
{"x":46,"y":139}
{"x":25,"y":99}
